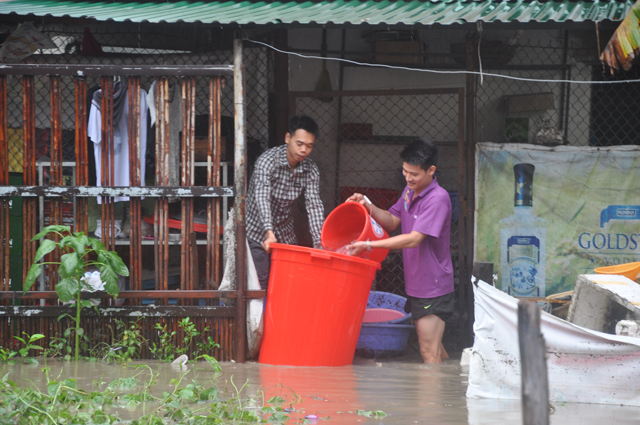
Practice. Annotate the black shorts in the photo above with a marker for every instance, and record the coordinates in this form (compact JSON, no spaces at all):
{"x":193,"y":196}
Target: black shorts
{"x":442,"y":306}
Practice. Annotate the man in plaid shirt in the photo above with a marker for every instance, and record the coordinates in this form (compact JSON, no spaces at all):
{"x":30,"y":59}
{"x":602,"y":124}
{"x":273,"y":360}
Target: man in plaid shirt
{"x":280,"y":175}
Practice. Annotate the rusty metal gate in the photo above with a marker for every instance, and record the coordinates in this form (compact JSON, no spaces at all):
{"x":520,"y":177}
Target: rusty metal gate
{"x":50,"y":194}
{"x":358,"y":150}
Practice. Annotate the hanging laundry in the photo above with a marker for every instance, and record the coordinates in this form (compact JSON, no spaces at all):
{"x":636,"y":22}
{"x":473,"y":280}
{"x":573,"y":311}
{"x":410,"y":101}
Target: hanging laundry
{"x":120,"y":160}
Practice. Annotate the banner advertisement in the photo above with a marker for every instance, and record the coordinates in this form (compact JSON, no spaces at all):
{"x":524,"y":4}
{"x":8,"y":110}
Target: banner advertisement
{"x":546,"y":214}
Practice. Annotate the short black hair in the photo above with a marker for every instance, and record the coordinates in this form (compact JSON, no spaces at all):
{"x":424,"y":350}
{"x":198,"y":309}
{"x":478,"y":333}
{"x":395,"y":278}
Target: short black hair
{"x":420,"y":152}
{"x":303,"y":122}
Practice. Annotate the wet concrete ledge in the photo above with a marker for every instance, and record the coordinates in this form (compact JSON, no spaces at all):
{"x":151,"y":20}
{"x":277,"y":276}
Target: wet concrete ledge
{"x":600,"y":301}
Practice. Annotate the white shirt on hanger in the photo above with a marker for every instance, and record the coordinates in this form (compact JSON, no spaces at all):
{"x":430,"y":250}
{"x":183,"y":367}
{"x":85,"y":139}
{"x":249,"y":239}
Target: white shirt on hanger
{"x":120,"y":144}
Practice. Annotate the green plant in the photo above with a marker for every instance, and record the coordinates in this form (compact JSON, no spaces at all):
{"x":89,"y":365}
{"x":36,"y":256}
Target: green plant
{"x":79,"y":253}
{"x":6,"y":355}
{"x":212,"y":362}
{"x":190,"y":332}
{"x":207,"y":346}
{"x":28,"y":343}
{"x":128,"y":343}
{"x":377,"y":414}
{"x":58,"y":346}
{"x":166,"y":350}
{"x":61,"y":401}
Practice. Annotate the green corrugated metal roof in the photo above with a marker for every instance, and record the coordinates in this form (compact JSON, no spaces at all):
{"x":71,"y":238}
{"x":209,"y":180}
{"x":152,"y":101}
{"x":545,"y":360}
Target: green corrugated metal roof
{"x":334,"y":11}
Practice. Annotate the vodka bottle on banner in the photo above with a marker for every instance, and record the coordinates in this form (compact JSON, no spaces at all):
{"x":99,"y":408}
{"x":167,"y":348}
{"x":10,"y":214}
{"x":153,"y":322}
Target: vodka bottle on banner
{"x":523,"y":238}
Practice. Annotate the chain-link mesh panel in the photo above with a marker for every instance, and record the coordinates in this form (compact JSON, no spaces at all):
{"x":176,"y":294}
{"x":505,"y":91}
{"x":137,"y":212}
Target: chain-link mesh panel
{"x":141,"y":44}
{"x":548,"y":112}
{"x":358,"y":150}
{"x":123,"y":44}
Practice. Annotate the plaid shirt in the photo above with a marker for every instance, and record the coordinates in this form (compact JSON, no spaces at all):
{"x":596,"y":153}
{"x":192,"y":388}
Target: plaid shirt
{"x":272,"y":192}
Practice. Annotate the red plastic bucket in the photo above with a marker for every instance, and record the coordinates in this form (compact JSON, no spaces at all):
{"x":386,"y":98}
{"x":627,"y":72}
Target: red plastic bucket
{"x":315,"y":304}
{"x":350,"y":222}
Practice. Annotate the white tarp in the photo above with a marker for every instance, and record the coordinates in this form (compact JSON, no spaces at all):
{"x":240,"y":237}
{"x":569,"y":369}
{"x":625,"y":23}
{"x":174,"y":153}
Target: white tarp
{"x":584,"y":366}
{"x":255,"y":307}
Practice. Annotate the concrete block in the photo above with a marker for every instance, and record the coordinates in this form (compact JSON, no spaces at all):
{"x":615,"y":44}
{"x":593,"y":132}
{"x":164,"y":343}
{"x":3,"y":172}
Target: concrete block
{"x":628,"y":328}
{"x":600,"y":301}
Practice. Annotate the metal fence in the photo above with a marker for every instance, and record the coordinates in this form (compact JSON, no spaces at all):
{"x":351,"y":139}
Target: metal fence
{"x":361,"y":137}
{"x":530,"y":107}
{"x":127,"y":45}
{"x":362,"y":132}
{"x":45,"y":119}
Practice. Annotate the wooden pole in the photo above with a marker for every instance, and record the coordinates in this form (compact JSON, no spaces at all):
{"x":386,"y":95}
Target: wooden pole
{"x":239,"y":169}
{"x":533,"y":358}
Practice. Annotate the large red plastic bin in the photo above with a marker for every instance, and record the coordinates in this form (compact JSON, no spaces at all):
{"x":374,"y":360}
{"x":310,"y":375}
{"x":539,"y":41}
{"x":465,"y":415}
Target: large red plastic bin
{"x":315,"y":304}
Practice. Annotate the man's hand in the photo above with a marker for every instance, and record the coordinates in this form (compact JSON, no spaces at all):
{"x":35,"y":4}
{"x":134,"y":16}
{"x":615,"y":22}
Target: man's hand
{"x":356,"y":248}
{"x":357,"y":197}
{"x":269,"y":239}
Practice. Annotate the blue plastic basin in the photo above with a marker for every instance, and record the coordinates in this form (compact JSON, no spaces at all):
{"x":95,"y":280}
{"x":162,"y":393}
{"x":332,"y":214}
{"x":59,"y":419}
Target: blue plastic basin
{"x":384,"y":339}
{"x":379,"y":299}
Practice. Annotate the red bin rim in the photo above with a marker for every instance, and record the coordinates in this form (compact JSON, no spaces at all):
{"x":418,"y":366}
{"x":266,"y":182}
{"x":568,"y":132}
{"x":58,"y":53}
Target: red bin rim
{"x":322,"y":252}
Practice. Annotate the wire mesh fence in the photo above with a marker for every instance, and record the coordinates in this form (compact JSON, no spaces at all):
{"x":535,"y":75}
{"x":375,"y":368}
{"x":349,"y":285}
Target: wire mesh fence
{"x":129,"y":45}
{"x":121,"y":45}
{"x":361,"y":134}
{"x":538,"y":105}
{"x":358,"y":151}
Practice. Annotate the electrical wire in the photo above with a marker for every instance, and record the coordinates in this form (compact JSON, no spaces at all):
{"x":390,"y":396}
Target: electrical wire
{"x":436,"y":71}
{"x":479,"y":26}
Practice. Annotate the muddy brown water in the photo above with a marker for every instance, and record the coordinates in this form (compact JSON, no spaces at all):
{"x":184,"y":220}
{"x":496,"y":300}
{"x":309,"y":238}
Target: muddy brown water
{"x":406,"y":390}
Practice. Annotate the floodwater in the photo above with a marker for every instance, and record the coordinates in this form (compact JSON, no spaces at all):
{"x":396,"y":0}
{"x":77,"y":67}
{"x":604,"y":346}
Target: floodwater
{"x":407,"y":391}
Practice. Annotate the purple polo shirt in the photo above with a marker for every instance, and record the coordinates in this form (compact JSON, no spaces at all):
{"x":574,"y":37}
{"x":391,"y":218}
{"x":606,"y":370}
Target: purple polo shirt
{"x":428,"y":271}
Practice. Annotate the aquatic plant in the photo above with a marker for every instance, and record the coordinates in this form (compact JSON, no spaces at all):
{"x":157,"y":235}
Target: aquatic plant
{"x":58,"y":346}
{"x":28,"y":342}
{"x":186,"y":402}
{"x":130,"y":341}
{"x":127,"y":344}
{"x":191,"y":334}
{"x":79,"y":253}
{"x":6,"y":354}
{"x":167,"y":350}
{"x":377,"y":414}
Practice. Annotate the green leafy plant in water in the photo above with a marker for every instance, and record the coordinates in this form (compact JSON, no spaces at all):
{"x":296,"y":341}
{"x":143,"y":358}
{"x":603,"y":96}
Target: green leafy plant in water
{"x":166,"y":350}
{"x":212,"y":362}
{"x":128,"y":343}
{"x":59,"y":346}
{"x":276,"y":411}
{"x":206,"y":346}
{"x":190,"y":333}
{"x":28,"y":342}
{"x":6,"y":355}
{"x":377,"y":414}
{"x":62,"y":402}
{"x":79,"y":251}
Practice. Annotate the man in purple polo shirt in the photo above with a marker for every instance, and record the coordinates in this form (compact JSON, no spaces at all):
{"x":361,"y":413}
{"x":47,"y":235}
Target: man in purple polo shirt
{"x":424,"y":210}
